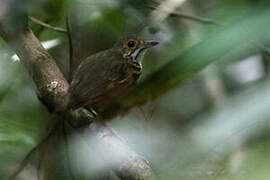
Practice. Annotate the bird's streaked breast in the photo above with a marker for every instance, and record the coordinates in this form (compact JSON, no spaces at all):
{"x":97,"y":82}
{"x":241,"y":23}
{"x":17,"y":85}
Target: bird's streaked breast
{"x":136,"y":69}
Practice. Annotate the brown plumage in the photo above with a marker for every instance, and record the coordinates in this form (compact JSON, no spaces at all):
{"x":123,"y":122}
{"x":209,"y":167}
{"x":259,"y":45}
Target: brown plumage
{"x":107,"y":74}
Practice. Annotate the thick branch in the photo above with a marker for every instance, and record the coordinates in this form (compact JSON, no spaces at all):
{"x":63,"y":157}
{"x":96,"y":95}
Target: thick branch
{"x":125,"y":162}
{"x":52,"y":88}
{"x":51,"y":84}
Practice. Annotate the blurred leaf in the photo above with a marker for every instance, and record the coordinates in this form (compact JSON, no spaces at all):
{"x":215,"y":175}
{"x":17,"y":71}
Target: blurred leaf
{"x":215,"y":46}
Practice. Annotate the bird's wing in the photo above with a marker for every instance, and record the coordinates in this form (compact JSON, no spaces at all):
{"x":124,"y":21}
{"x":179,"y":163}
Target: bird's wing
{"x":94,"y":77}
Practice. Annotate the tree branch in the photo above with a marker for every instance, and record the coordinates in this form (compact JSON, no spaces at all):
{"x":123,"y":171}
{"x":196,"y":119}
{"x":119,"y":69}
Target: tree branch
{"x":45,"y":73}
{"x":41,"y":23}
{"x":189,"y":16}
{"x":52,"y":89}
{"x":71,"y":63}
{"x":51,"y":84}
{"x":127,"y":164}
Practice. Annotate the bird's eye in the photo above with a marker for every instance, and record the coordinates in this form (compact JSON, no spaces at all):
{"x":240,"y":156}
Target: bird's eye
{"x":131,"y":44}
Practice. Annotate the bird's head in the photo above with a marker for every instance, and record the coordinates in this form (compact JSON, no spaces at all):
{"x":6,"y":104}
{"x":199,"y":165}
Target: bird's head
{"x":133,"y":48}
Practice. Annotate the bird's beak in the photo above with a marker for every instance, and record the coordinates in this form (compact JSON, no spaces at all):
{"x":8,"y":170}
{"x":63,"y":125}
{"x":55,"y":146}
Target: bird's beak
{"x":148,"y":44}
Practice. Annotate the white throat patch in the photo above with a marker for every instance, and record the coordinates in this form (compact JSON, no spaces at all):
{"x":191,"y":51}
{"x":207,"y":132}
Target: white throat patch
{"x":137,"y":54}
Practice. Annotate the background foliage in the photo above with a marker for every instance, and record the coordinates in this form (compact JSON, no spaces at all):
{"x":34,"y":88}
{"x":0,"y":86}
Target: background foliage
{"x":214,"y":125}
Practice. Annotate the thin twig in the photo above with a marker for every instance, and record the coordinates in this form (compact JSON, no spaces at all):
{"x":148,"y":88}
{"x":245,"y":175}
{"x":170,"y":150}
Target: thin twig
{"x":27,"y":158}
{"x":260,"y":46}
{"x":67,"y":150}
{"x":39,"y":166}
{"x":190,"y":16}
{"x":58,"y":29}
{"x":71,"y":63}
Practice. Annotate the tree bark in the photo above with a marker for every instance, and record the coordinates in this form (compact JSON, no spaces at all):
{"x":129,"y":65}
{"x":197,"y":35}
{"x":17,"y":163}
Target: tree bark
{"x":52,"y":89}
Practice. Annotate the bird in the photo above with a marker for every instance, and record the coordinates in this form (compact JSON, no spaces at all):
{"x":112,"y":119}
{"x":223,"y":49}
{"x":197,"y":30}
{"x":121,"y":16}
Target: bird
{"x":105,"y":75}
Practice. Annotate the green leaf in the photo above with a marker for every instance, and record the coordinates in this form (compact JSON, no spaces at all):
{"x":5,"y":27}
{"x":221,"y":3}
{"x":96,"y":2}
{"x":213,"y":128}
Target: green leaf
{"x":213,"y":47}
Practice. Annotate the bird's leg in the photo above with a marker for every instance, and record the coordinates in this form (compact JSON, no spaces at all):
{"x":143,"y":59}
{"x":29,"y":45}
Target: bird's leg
{"x":94,"y":113}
